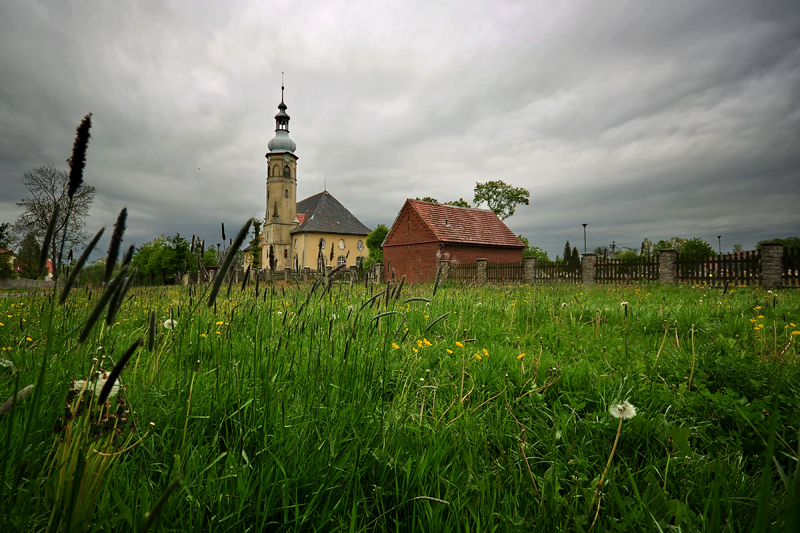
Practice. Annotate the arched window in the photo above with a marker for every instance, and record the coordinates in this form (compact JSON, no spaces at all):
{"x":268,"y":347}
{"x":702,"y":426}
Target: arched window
{"x":340,"y":260}
{"x":285,"y":254}
{"x":286,"y":193}
{"x":287,"y":172}
{"x":269,"y":172}
{"x":275,"y":170}
{"x":320,"y":264}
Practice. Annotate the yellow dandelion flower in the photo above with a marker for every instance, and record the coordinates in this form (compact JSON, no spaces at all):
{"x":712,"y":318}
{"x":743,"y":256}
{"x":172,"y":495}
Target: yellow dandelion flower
{"x":203,"y":335}
{"x":478,"y":357}
{"x":760,"y":316}
{"x":415,"y":350}
{"x":28,"y":339}
{"x":459,"y":344}
{"x":1,"y":324}
{"x":395,"y":346}
{"x":520,"y":356}
{"x":449,"y":350}
{"x":419,"y":343}
{"x":219,"y":323}
{"x":793,"y":333}
{"x":486,"y":352}
{"x":757,"y":307}
{"x":427,"y":342}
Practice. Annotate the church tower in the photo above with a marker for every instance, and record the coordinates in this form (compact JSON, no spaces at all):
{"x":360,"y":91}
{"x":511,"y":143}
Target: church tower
{"x":281,"y":193}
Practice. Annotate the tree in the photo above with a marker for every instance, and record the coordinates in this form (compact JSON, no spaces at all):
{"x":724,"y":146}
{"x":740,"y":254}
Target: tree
{"x":49,"y":187}
{"x":567,"y":251}
{"x":165,"y":257}
{"x":374,"y":241}
{"x":458,"y":203}
{"x":501,"y":198}
{"x":697,"y":248}
{"x":430,"y":199}
{"x":788,"y":242}
{"x":210,"y":258}
{"x":737,"y":248}
{"x":675,"y":243}
{"x":28,"y":257}
{"x":6,"y":237}
{"x":255,"y":244}
{"x":576,"y":258}
{"x":532,"y":251}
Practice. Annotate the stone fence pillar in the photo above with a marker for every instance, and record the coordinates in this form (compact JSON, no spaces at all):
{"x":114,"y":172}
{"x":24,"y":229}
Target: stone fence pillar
{"x":483,"y":266}
{"x":287,"y":273}
{"x":529,"y":270}
{"x":667,"y":266}
{"x":306,"y":273}
{"x":588,"y":263}
{"x":444,"y":270}
{"x":377,"y":272}
{"x":772,"y":265}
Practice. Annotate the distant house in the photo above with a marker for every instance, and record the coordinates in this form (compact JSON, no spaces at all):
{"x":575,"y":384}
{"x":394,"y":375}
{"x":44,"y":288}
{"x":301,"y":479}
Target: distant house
{"x":423,"y":233}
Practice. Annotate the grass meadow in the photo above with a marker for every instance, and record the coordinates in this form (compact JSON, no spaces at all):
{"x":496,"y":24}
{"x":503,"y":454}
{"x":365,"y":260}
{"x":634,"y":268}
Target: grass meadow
{"x":462,"y":408}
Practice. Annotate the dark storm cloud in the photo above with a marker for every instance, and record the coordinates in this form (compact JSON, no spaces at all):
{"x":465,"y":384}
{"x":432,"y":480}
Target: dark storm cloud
{"x":641,"y":119}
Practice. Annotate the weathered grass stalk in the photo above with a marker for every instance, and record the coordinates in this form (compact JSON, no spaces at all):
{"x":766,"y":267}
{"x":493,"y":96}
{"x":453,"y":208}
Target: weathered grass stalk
{"x":226,"y":262}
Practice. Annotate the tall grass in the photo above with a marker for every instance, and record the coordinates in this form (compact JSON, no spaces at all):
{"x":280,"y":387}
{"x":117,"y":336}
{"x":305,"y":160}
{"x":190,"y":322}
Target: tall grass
{"x":299,"y":409}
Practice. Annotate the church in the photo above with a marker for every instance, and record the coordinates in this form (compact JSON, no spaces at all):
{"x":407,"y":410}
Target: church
{"x":297,"y":230}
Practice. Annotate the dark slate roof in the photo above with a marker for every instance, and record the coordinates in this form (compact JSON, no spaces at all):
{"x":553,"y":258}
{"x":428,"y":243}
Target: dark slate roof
{"x":465,"y":225}
{"x":324,"y":214}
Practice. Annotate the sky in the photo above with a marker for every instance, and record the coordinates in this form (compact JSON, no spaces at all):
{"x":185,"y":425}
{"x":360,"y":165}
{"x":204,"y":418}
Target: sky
{"x":641,"y":119}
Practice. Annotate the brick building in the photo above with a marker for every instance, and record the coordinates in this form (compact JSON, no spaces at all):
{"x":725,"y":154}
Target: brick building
{"x":423,"y":233}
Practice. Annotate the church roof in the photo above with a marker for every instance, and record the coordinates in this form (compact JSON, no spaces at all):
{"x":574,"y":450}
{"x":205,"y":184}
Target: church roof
{"x":322,"y":213}
{"x":465,"y":225}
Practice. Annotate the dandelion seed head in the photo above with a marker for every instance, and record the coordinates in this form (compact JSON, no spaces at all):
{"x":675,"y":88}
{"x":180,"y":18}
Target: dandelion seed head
{"x":170,"y":324}
{"x":624,"y":410}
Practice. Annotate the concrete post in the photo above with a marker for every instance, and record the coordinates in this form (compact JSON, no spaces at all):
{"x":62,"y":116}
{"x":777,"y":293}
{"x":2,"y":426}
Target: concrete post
{"x":588,"y":263}
{"x":444,"y":270}
{"x":287,"y":273}
{"x":529,"y":270}
{"x":377,"y":272}
{"x":667,"y":266}
{"x":482,"y":275}
{"x":306,"y":273}
{"x":772,"y":265}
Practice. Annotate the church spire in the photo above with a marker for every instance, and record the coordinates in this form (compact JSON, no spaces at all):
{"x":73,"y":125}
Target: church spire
{"x":281,"y":142}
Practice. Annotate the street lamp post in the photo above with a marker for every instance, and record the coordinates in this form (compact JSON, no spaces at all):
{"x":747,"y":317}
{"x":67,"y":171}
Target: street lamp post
{"x":584,"y":238}
{"x":719,"y":243}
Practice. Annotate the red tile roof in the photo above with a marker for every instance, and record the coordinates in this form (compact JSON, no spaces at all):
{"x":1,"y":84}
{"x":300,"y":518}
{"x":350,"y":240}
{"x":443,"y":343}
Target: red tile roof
{"x":464,"y":225}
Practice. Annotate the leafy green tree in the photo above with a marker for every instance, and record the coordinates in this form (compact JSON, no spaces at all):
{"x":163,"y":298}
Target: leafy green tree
{"x":697,"y":248}
{"x":28,"y":256}
{"x":626,"y":255}
{"x":532,"y":251}
{"x":567,"y":251}
{"x":501,"y":198}
{"x":737,"y":248}
{"x":430,"y":199}
{"x":255,"y":245}
{"x":675,"y":243}
{"x":576,"y":258}
{"x":789,"y":242}
{"x":6,"y":238}
{"x":458,"y":203}
{"x":374,"y":241}
{"x":210,"y":258}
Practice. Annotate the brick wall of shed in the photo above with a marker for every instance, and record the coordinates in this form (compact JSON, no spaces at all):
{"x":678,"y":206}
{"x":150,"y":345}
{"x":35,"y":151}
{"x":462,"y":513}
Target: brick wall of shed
{"x":465,"y":254}
{"x":418,"y":262}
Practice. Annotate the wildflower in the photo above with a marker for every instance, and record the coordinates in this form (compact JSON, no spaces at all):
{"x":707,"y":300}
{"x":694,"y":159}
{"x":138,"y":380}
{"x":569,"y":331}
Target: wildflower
{"x":1,"y":324}
{"x":28,"y":339}
{"x":449,"y":350}
{"x":564,"y":304}
{"x":218,"y":323}
{"x":170,"y":324}
{"x":334,"y":317}
{"x":796,"y":333}
{"x":761,"y":316}
{"x":395,"y":346}
{"x":520,"y":356}
{"x":415,"y":350}
{"x":203,"y":335}
{"x":486,"y":352}
{"x":478,"y":357}
{"x":459,"y":344}
{"x":427,"y":342}
{"x":624,"y":410}
{"x":757,"y":307}
{"x":279,"y":313}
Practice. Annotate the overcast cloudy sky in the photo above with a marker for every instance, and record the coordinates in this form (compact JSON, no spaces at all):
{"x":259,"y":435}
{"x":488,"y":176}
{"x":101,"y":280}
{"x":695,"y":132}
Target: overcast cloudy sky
{"x":642,"y":119}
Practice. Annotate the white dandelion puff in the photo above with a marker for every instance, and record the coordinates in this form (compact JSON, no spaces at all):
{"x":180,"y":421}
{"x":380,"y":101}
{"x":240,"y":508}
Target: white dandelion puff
{"x":170,"y":324}
{"x":624,"y":410}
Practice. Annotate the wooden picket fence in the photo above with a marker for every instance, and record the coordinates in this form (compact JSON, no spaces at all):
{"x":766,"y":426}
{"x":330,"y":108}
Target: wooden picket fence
{"x":791,"y":267}
{"x":742,"y":268}
{"x":564,"y":271}
{"x":463,"y":271}
{"x":504,"y":271}
{"x":621,"y":270}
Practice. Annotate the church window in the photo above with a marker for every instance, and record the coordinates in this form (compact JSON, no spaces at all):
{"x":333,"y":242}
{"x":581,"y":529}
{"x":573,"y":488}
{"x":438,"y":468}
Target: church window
{"x":269,"y":172}
{"x":340,"y":260}
{"x":287,"y":172}
{"x":360,"y":245}
{"x":295,"y":244}
{"x":285,"y":254}
{"x":320,"y":264}
{"x":275,"y":170}
{"x":341,"y":244}
{"x":286,"y":193}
